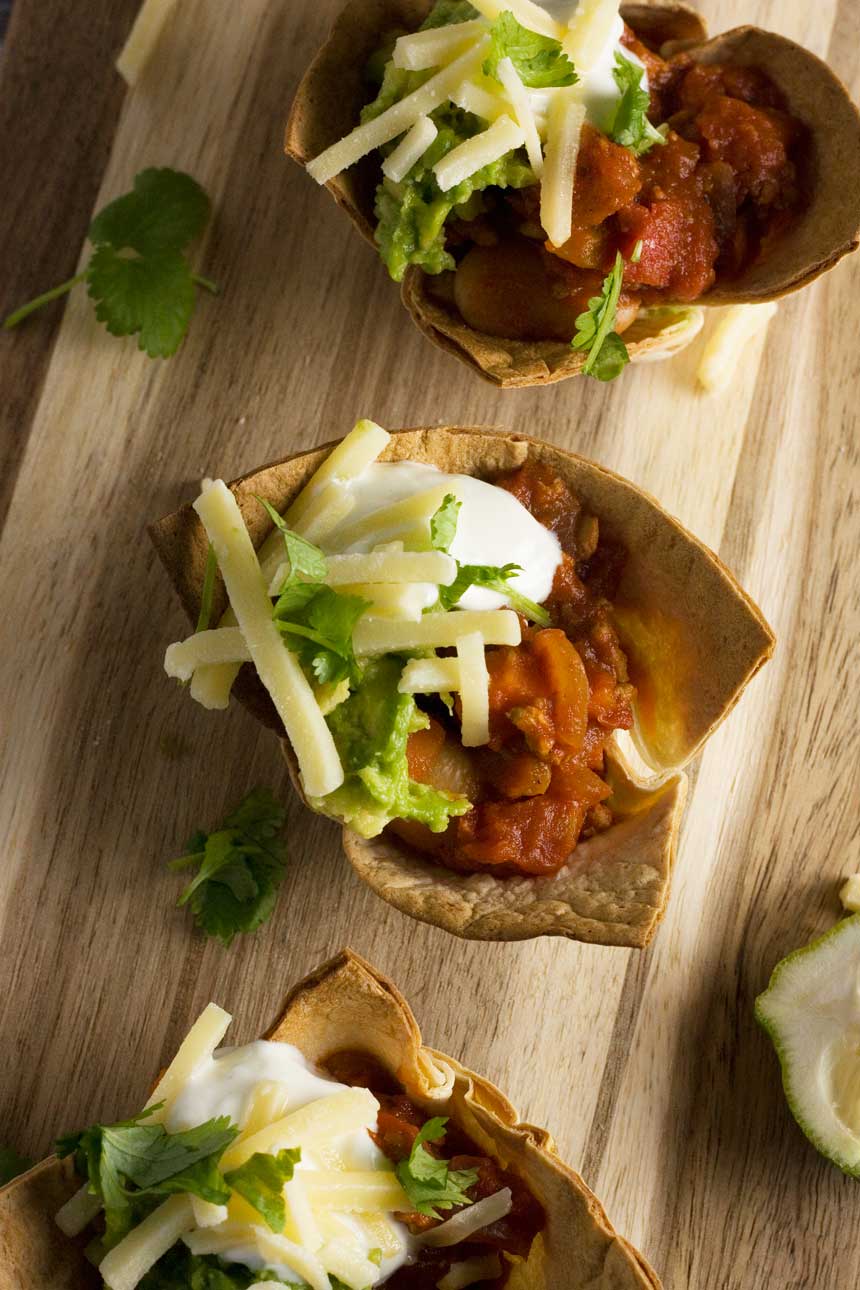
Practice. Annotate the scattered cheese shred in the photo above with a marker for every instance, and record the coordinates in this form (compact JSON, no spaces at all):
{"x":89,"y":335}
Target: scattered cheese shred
{"x":142,"y":39}
{"x":215,"y":647}
{"x":360,"y":448}
{"x":410,"y":149}
{"x":206,"y":1214}
{"x":277,"y":1249}
{"x":330,"y":1117}
{"x":481,"y":150}
{"x":589,"y":31}
{"x":564,"y":131}
{"x":78,"y":1212}
{"x":725,"y":348}
{"x":200,"y":1042}
{"x":278,"y":669}
{"x":129,"y":1261}
{"x":212,"y":683}
{"x":849,"y":893}
{"x":404,"y":600}
{"x":392,"y":566}
{"x":435,"y":631}
{"x":527,"y":13}
{"x":436,"y":47}
{"x":481,"y":101}
{"x":269,"y":1101}
{"x":396,"y":520}
{"x":474,"y":690}
{"x":399,"y":117}
{"x":358,"y":1190}
{"x":333,"y":505}
{"x":430,"y":676}
{"x":525,"y":117}
{"x":300,"y":1226}
{"x":348,"y":1265}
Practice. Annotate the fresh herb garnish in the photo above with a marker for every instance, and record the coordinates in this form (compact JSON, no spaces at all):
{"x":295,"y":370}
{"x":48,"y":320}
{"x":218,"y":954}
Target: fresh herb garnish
{"x":209,"y":576}
{"x":11,"y":1165}
{"x":607,"y":353}
{"x":540,"y":61}
{"x":493,"y":578}
{"x":138,"y":275}
{"x":307,"y":562}
{"x":443,"y":530}
{"x":241,"y":867}
{"x":429,"y":1182}
{"x":630,"y":125}
{"x":443,"y":524}
{"x":126,"y":1161}
{"x":260,"y":1181}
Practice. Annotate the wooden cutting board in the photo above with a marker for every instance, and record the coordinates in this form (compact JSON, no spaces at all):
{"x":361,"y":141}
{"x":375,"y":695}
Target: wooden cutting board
{"x":648,"y":1067}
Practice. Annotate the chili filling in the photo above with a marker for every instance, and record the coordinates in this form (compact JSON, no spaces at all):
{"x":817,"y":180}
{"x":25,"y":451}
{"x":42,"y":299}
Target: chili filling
{"x":701,"y":207}
{"x":397,"y":1127}
{"x":555,"y":699}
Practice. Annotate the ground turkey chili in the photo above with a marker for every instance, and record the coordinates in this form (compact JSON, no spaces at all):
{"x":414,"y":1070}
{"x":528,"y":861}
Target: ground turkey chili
{"x":699,"y":208}
{"x":397,"y":1127}
{"x":555,"y":699}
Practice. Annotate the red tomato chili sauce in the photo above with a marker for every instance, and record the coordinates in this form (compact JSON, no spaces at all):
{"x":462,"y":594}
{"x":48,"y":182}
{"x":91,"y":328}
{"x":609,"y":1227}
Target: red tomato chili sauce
{"x":555,"y":699}
{"x":397,"y":1127}
{"x":705,"y":205}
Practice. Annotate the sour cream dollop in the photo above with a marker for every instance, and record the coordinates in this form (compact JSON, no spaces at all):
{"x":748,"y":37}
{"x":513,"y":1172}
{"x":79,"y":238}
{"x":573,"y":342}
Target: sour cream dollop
{"x":493,"y":527}
{"x":224,"y":1084}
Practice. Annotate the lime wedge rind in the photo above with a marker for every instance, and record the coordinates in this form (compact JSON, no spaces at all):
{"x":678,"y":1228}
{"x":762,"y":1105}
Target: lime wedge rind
{"x":810,"y":1004}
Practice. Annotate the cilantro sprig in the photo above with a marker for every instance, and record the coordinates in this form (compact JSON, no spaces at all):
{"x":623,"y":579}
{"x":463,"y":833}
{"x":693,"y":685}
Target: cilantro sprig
{"x":607,"y":353}
{"x":443,"y":530}
{"x":429,"y":1182}
{"x":241,"y":865}
{"x":131,"y":1165}
{"x":315,"y":621}
{"x":138,"y":276}
{"x":630,"y":125}
{"x":260,"y":1181}
{"x":539,"y":61}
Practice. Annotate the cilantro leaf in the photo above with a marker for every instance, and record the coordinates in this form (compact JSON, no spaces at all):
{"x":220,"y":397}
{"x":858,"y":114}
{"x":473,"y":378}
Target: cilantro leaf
{"x":428,"y":1181}
{"x":306,"y":560}
{"x":179,"y":1269}
{"x":494,"y":578}
{"x":138,"y":276}
{"x":630,"y":125}
{"x":241,"y":867}
{"x":131,"y":1159}
{"x":165,"y":211}
{"x":443,"y":524}
{"x":607,"y":353}
{"x":540,"y":61}
{"x":260,"y":1180}
{"x":317,"y":626}
{"x":152,"y":295}
{"x":11,"y":1165}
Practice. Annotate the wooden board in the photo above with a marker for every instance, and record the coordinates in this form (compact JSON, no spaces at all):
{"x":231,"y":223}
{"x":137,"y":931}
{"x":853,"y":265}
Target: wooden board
{"x":648,"y":1067}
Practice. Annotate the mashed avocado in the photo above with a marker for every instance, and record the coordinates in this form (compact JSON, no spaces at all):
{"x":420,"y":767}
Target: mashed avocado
{"x":411,"y":215}
{"x":370,"y":731}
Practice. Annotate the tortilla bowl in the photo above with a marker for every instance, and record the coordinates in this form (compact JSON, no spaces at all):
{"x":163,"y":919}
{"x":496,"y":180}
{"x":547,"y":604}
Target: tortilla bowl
{"x":348,"y":1004}
{"x":693,"y":640}
{"x":333,"y":91}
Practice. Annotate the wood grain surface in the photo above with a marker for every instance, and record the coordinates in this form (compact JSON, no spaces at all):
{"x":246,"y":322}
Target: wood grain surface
{"x":648,"y":1067}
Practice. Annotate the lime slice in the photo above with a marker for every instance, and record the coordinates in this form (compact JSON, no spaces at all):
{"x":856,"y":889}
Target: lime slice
{"x":811,"y":1010}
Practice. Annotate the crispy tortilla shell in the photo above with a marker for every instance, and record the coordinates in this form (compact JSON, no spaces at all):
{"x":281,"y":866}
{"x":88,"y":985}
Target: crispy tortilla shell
{"x":346,"y":1004}
{"x":333,"y":91}
{"x":693,"y":638}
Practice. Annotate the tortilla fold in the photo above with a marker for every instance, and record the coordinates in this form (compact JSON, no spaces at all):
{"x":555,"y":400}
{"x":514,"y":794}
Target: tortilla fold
{"x":333,"y":91}
{"x":347,"y":1004}
{"x":693,"y":640}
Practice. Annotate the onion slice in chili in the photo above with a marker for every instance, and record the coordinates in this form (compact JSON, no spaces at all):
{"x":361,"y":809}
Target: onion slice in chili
{"x":470,"y":1220}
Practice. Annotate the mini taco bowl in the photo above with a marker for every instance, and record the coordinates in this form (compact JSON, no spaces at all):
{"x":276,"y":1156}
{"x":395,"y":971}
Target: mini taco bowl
{"x":693,"y":640}
{"x":347,"y":1005}
{"x":333,"y":91}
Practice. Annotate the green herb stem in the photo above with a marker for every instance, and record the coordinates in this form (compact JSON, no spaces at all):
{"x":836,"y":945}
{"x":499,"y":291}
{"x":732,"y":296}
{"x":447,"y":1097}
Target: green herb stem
{"x":47,"y":296}
{"x":207,"y":283}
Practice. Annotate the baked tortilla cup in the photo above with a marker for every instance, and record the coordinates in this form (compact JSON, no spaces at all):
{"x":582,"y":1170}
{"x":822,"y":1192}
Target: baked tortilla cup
{"x":693,"y":640}
{"x":333,"y":91}
{"x":346,"y":1004}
